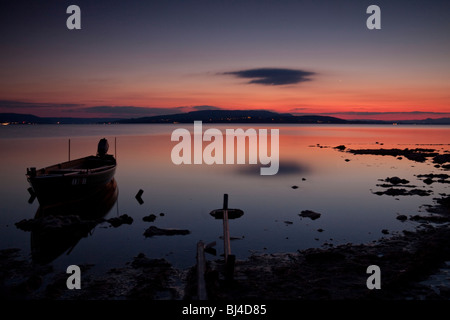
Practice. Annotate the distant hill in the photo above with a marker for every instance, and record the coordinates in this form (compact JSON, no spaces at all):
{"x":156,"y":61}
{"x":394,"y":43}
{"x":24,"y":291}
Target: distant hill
{"x":19,"y":118}
{"x":29,"y":118}
{"x":426,"y":121}
{"x":234,"y":116}
{"x":212,"y":116}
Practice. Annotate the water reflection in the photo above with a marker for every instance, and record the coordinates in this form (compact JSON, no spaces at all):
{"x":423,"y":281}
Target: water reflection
{"x":58,"y":228}
{"x":312,"y":176}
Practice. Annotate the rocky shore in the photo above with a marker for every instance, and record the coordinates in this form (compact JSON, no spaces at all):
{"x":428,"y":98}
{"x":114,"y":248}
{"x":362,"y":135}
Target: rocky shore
{"x":408,"y":262}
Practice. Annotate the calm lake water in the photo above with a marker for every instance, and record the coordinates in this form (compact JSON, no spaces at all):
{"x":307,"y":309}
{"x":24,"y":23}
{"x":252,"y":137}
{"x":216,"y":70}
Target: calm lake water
{"x":342,"y":191}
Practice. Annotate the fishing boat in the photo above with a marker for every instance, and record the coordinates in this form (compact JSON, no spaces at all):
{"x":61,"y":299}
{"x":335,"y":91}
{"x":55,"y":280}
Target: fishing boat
{"x":74,"y":179}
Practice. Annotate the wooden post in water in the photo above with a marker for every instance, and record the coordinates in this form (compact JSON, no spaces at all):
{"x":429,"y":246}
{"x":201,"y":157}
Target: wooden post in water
{"x":115,"y":147}
{"x":226,"y":228}
{"x":201,"y":267}
{"x":69,"y":149}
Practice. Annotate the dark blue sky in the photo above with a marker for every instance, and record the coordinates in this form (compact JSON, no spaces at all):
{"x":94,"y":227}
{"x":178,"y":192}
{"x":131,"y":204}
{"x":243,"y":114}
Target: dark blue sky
{"x":169,"y":54}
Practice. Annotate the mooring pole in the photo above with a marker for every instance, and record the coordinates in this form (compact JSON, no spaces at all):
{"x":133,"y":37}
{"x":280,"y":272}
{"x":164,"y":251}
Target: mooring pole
{"x":69,"y":149}
{"x":226,"y":229}
{"x":201,"y":267}
{"x":115,"y":147}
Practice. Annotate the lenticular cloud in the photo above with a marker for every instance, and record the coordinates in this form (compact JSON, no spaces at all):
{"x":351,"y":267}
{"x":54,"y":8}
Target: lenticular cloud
{"x":273,"y":76}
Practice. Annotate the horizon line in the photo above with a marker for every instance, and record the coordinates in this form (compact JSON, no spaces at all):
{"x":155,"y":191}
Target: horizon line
{"x":325,"y":115}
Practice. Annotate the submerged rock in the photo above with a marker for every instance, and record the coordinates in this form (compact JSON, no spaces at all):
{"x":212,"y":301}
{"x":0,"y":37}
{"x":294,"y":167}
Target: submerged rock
{"x":442,"y":207}
{"x":418,"y":154}
{"x":404,"y":192}
{"x":118,"y":221}
{"x":341,"y":147}
{"x":432,"y":218}
{"x":55,"y":223}
{"x":155,"y":231}
{"x":429,"y":178}
{"x":149,"y":218}
{"x":310,"y":214}
{"x":396,"y":180}
{"x":441,"y":158}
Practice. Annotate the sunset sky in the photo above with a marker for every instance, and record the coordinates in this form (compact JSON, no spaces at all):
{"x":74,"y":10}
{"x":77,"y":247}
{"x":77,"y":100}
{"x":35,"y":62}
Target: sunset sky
{"x":143,"y":58}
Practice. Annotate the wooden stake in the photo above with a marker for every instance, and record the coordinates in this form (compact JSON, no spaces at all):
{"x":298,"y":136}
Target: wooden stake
{"x":226,"y":228}
{"x":229,"y":267}
{"x":69,"y":149}
{"x":201,"y":267}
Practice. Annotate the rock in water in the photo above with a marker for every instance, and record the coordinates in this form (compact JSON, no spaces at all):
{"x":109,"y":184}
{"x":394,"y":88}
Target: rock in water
{"x":118,"y":221}
{"x":149,"y":218}
{"x":396,"y":180}
{"x":310,"y":214}
{"x":155,"y":231}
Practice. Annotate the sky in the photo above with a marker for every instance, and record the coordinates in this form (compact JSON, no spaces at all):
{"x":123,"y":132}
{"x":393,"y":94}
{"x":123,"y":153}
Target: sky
{"x":144,"y":58}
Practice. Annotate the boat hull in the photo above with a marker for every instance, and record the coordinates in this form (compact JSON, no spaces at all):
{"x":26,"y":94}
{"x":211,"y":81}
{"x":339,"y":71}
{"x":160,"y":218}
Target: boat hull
{"x":51,"y":188}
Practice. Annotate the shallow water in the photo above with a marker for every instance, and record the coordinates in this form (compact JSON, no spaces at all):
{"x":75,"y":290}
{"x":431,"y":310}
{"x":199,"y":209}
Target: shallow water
{"x":342,"y":191}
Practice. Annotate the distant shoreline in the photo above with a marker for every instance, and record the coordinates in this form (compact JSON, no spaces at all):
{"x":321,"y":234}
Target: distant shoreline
{"x":213,"y":116}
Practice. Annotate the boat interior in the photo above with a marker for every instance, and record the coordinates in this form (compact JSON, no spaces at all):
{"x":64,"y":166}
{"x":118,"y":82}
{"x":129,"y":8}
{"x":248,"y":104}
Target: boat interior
{"x":82,"y":165}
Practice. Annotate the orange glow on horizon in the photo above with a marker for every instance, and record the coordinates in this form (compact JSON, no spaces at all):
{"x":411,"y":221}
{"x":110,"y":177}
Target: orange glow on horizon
{"x":346,"y":101}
